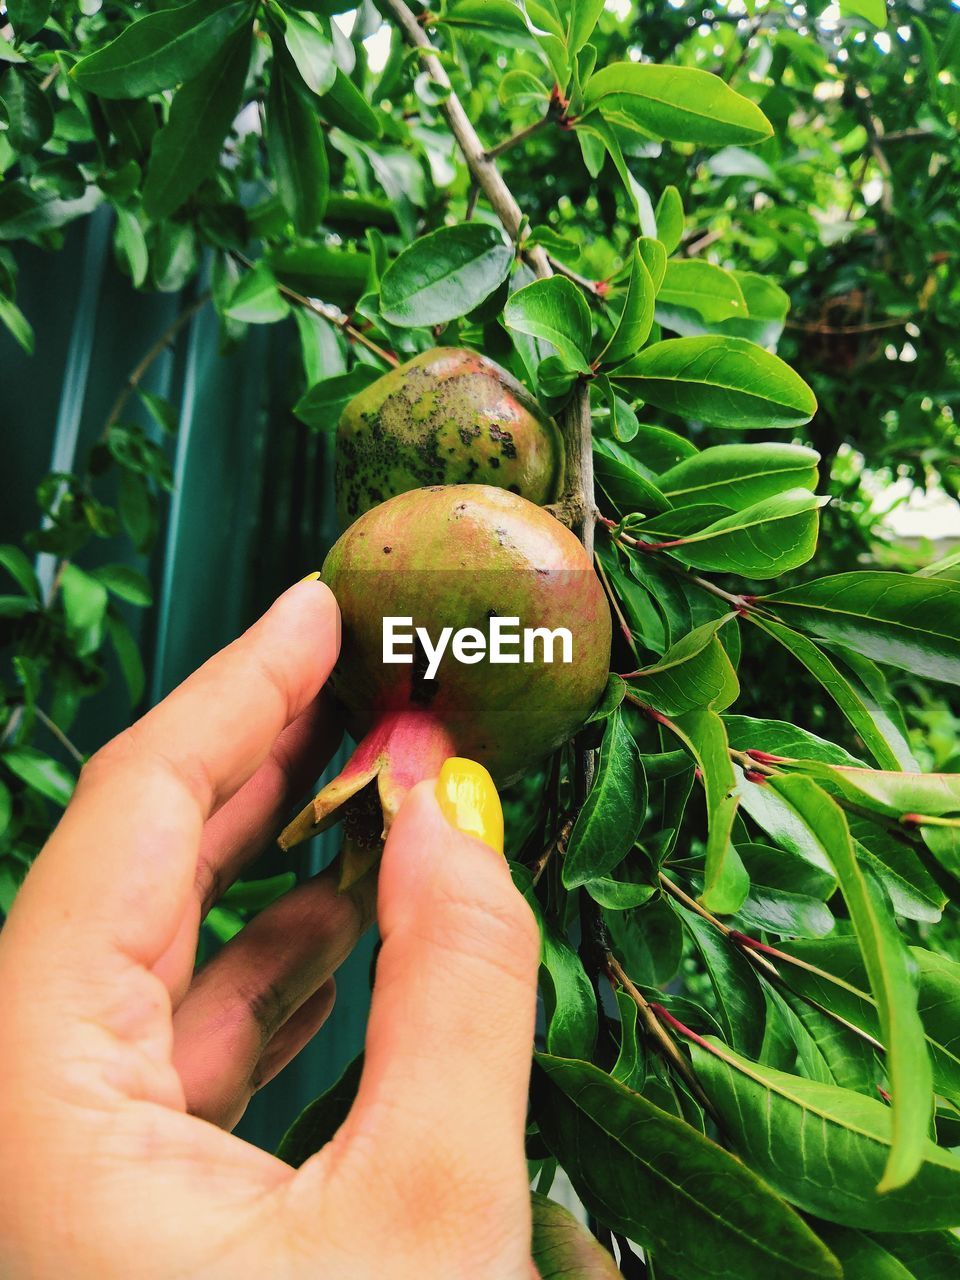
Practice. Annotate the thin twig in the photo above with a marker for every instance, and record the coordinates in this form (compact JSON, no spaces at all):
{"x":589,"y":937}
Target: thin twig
{"x":516,"y":138}
{"x":840,"y":329}
{"x":143,"y":364}
{"x":58,"y":733}
{"x":656,"y":1032}
{"x":328,"y":313}
{"x":557,"y":845}
{"x":615,"y":605}
{"x":593,"y":287}
{"x":739,"y":602}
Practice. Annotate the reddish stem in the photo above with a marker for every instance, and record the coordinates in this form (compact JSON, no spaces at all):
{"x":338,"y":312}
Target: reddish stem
{"x":679,"y":1027}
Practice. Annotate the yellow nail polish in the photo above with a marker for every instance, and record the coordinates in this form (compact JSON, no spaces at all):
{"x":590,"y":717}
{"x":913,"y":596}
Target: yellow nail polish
{"x":469,"y":801}
{"x":311,"y":577}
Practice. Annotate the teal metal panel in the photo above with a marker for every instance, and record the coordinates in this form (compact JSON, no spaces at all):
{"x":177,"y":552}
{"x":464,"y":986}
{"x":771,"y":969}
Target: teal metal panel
{"x":252,"y":511}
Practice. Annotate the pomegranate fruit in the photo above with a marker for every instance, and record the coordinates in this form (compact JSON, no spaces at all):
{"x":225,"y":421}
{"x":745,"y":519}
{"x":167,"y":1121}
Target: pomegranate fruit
{"x":448,"y":416}
{"x":457,"y":556}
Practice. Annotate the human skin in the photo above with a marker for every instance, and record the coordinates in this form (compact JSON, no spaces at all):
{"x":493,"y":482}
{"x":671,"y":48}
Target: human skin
{"x":120,"y":1068}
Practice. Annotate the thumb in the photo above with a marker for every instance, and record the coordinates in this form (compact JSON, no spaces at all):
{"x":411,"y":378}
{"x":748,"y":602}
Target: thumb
{"x":447,"y":1064}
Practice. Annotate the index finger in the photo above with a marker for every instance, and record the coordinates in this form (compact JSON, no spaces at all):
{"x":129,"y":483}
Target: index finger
{"x":120,"y":866}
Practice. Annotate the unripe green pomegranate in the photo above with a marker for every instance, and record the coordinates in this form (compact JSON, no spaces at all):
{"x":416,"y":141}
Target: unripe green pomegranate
{"x":448,"y":416}
{"x":458,"y":557}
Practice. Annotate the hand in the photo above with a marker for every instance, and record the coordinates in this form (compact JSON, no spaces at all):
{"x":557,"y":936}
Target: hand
{"x":115,"y":1058}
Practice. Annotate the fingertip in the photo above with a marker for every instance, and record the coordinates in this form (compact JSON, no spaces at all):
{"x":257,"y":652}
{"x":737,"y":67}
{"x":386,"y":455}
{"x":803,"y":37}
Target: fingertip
{"x":313,"y":596}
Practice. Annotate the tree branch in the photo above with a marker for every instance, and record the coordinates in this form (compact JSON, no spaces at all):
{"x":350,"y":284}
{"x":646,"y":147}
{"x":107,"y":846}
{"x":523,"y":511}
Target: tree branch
{"x":575,"y":421}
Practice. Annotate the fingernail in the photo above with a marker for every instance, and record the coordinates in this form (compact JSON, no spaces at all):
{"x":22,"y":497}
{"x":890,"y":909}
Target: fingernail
{"x":311,"y":577}
{"x":469,"y":801}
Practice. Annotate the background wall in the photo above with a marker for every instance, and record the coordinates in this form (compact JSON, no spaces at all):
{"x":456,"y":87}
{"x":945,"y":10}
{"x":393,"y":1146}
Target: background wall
{"x":251,"y":512}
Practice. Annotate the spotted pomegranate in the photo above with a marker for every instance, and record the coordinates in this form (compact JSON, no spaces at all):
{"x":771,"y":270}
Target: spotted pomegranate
{"x":448,"y":416}
{"x":483,"y":574}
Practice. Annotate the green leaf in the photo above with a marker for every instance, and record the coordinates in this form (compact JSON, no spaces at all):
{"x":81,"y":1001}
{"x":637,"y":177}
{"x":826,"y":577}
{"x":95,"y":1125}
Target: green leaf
{"x":839,"y":1142}
{"x":831,"y":974}
{"x":694,"y":672}
{"x":660,"y":449}
{"x":781,"y":739}
{"x":613,"y":695}
{"x":875,"y":11}
{"x":713,"y":293}
{"x":929,"y":1255}
{"x":29,"y":114}
{"x":654,"y":256}
{"x":725,"y":879}
{"x":738,"y":475}
{"x":762,"y":541}
{"x":636,"y":318}
{"x":25,"y":212}
{"x":897,"y":618}
{"x":18,"y":565}
{"x":500,"y":18}
{"x":680,"y":104}
{"x":126,"y":583}
{"x":669,"y":215}
{"x":8,"y":53}
{"x":787,"y":829}
{"x":570,"y":1003}
{"x":871,"y":685}
{"x":311,"y":51}
{"x":298,"y":154}
{"x":28,"y":16}
{"x":13,"y":319}
{"x":728,"y":382}
{"x":336,"y":275}
{"x":85,"y":607}
{"x":610,"y":820}
{"x":563,"y":1249}
{"x":844,"y":693}
{"x":619,"y":895}
{"x":162,"y":50}
{"x":188,"y":146}
{"x":41,"y":773}
{"x":160,"y":410}
{"x":323,"y":404}
{"x":655,"y":1179}
{"x":444,"y":274}
{"x":346,"y":107}
{"x":256,"y":299}
{"x":739,"y":996}
{"x":583,"y":18}
{"x":254,"y":895}
{"x":128,"y":657}
{"x":891,"y":979}
{"x":555,"y":311}
{"x":318,"y":1122}
{"x":520,"y":88}
{"x":6,"y":812}
{"x":624,"y":482}
{"x":131,"y":245}
{"x":781,"y":911}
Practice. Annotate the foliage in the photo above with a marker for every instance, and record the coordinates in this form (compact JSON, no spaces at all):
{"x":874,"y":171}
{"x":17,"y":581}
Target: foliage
{"x":748,"y":940}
